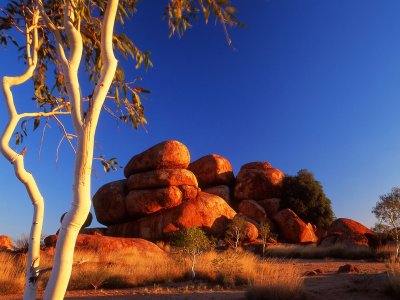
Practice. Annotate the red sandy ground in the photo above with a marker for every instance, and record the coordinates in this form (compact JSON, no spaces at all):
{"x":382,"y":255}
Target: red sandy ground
{"x":370,"y":283}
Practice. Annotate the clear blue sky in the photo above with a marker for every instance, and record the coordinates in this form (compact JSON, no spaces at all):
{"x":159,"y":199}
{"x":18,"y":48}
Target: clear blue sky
{"x":309,"y":84}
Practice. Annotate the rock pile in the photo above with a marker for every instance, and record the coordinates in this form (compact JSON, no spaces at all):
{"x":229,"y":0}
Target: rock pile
{"x":159,"y":196}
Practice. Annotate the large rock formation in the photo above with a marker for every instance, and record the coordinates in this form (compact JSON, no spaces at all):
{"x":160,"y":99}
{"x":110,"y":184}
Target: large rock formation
{"x":349,"y":233}
{"x":6,"y":243}
{"x":212,"y":170}
{"x":207,"y":211}
{"x":156,"y":182}
{"x":104,"y":244}
{"x":258,"y":181}
{"x":165,"y":155}
{"x":293,"y":229}
{"x":271,"y":206}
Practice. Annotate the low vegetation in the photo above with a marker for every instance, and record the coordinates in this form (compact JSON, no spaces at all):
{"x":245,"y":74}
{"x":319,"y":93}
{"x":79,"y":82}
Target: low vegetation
{"x":127,"y":269}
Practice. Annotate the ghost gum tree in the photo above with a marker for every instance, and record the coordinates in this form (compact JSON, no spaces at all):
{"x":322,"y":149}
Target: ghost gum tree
{"x":58,"y":39}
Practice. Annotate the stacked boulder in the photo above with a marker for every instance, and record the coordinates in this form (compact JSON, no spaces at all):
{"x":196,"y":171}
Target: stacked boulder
{"x":214,"y":175}
{"x":159,"y":196}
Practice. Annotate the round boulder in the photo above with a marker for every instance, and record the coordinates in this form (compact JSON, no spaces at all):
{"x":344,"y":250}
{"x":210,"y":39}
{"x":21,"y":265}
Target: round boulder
{"x":271,"y":206}
{"x":165,"y":155}
{"x":109,"y":203}
{"x":212,"y":170}
{"x":141,"y":203}
{"x":258,"y":182}
{"x":161,"y":179}
{"x":222,"y":191}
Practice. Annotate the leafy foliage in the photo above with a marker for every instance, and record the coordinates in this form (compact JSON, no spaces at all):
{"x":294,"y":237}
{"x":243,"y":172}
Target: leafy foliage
{"x":305,"y":196}
{"x":235,"y":231}
{"x":193,"y":242}
{"x":265,"y":233}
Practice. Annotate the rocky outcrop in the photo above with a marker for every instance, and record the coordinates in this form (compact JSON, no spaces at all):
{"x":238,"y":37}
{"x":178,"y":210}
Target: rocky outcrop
{"x":104,"y":244}
{"x":258,"y":181}
{"x":253,"y":210}
{"x":292,"y":229}
{"x":212,"y":170}
{"x":349,"y":233}
{"x":222,"y":191}
{"x":207,"y":211}
{"x":165,"y":155}
{"x":6,"y":243}
{"x":156,"y":181}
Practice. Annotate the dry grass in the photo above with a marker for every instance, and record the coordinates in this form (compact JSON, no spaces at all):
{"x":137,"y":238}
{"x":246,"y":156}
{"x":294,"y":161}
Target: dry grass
{"x":127,"y":268}
{"x":394,"y":275}
{"x":12,"y":273}
{"x":336,"y":251}
{"x":276,"y":280}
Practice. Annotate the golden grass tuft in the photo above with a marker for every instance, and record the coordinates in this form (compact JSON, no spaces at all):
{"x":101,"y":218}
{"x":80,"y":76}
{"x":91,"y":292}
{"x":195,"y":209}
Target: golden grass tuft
{"x":276,"y":279}
{"x":12,"y":273}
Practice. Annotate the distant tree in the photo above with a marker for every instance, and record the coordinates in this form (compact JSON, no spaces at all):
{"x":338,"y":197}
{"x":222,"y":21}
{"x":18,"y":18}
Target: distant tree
{"x":193,"y":242}
{"x":235,"y":231}
{"x":387,"y":211}
{"x":305,"y":196}
{"x":265,"y":233}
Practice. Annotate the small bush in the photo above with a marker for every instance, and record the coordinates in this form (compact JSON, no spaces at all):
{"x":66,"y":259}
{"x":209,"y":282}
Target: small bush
{"x":305,"y":196}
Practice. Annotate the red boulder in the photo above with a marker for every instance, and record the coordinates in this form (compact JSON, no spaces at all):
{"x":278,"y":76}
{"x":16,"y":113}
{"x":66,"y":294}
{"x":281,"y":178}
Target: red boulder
{"x":258,"y":182}
{"x":165,"y":155}
{"x":212,"y":170}
{"x":293,"y":229}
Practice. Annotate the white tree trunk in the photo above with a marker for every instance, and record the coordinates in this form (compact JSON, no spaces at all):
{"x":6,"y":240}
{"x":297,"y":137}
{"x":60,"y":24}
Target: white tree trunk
{"x":33,"y":261}
{"x":86,"y":129}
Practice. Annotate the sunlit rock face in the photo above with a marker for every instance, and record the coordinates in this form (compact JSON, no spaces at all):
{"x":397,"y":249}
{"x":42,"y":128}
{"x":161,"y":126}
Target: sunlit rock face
{"x":207,"y":211}
{"x":258,"y":181}
{"x":349,"y":233}
{"x":212,"y":170}
{"x":292,"y":229}
{"x":6,"y":243}
{"x":165,"y":155}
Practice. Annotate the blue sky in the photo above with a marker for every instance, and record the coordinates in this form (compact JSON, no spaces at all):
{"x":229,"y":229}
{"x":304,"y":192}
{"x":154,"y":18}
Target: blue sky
{"x":308,"y":84}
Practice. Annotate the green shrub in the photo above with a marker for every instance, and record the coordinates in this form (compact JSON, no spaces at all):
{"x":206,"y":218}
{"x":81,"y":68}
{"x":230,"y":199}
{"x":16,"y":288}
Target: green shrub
{"x":305,"y":196}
